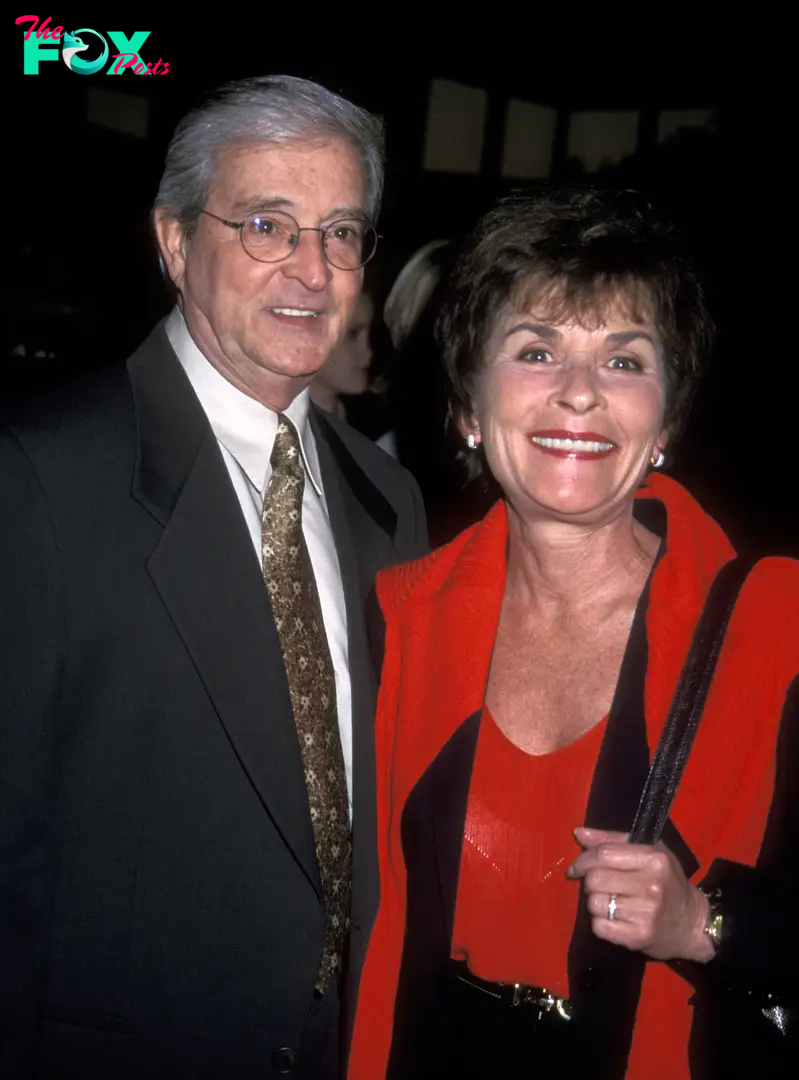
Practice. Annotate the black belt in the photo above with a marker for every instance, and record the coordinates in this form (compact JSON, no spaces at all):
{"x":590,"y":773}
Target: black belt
{"x":515,"y":995}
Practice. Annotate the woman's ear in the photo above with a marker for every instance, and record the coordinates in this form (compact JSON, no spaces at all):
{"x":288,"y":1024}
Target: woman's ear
{"x":663,"y":441}
{"x":470,"y":430}
{"x":657,"y":458}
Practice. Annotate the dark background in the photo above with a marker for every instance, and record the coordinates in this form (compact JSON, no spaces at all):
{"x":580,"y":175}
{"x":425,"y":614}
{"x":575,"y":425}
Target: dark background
{"x":81,"y":265}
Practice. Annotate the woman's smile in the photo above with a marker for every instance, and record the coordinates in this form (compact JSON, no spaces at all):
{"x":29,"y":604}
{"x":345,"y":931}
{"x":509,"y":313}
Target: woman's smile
{"x":579,"y":446}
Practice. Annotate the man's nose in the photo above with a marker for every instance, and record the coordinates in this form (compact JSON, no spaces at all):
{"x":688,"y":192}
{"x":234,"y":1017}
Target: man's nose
{"x":307,"y":262}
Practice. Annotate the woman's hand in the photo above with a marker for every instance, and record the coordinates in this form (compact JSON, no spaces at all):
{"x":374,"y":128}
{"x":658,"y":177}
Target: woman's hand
{"x":656,"y":911}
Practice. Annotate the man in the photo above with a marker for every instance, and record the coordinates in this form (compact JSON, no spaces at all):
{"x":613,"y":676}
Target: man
{"x":186,"y":690}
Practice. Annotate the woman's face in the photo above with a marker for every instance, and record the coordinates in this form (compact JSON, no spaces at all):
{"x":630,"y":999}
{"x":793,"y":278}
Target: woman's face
{"x":570,"y":417}
{"x":347,"y":370}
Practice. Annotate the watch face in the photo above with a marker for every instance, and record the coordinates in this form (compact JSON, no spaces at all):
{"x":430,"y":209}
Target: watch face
{"x":713,"y":928}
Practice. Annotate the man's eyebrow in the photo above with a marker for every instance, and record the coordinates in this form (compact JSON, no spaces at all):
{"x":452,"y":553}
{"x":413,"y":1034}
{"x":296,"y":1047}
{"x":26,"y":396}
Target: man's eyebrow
{"x":346,"y":212}
{"x":262,"y":203}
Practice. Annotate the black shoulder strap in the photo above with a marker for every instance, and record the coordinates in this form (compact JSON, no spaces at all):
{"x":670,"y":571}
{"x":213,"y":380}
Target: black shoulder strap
{"x":689,"y":701}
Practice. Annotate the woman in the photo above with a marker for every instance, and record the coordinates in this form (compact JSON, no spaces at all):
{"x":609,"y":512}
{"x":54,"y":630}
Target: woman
{"x":424,"y":443}
{"x":529,"y":666}
{"x":417,"y":436}
{"x":347,"y":371}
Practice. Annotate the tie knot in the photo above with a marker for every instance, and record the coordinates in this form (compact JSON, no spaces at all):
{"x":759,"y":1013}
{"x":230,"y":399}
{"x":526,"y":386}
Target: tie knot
{"x":286,"y":456}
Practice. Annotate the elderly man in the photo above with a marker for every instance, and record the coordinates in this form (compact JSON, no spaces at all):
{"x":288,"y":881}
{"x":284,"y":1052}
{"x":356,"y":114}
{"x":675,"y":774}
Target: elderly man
{"x":187,"y":834}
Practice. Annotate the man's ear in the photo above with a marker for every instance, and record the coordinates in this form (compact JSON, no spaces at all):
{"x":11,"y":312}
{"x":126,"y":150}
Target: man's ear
{"x":172,"y":244}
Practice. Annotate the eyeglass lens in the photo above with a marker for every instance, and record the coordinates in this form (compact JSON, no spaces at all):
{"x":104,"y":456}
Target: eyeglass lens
{"x":348,"y":243}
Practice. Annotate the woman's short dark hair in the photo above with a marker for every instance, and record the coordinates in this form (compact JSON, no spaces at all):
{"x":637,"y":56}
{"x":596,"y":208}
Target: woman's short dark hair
{"x":573,"y":253}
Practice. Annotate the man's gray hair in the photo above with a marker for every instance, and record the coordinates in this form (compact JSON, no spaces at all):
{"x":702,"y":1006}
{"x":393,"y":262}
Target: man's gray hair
{"x":277,"y":108}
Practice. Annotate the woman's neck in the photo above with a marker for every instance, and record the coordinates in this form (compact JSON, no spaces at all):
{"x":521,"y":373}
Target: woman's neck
{"x":558,"y":568}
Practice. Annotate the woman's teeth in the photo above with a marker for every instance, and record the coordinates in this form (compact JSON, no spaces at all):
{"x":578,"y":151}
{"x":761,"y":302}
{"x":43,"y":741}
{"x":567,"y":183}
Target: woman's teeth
{"x":580,"y":445}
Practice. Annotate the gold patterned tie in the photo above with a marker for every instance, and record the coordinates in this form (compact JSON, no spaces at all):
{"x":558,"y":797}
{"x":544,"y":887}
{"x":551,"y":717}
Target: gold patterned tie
{"x":298,"y":616}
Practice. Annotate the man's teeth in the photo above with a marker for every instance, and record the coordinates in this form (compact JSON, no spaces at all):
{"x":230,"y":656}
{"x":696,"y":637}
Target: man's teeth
{"x":584,"y":447}
{"x":302,"y":312}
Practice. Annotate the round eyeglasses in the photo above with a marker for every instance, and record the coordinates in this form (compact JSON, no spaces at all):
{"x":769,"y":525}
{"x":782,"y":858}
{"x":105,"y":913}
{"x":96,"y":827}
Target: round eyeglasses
{"x":348,"y":244}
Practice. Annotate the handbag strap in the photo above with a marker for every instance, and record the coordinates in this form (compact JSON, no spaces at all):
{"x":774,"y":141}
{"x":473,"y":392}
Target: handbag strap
{"x":685,"y":713}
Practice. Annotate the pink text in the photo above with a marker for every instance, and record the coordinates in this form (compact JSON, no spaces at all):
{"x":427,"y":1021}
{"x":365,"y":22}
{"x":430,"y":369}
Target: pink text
{"x":56,"y":33}
{"x":131,"y":60}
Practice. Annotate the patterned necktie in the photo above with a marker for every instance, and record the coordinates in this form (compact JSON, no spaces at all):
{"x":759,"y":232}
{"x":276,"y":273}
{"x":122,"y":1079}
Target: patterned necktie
{"x":298,"y":616}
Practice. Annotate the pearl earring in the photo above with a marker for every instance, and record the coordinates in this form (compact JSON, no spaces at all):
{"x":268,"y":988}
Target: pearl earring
{"x":471,"y":441}
{"x":657,"y":462}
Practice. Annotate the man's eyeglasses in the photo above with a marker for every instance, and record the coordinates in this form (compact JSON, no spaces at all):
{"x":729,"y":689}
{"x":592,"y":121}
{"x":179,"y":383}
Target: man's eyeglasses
{"x":348,"y":244}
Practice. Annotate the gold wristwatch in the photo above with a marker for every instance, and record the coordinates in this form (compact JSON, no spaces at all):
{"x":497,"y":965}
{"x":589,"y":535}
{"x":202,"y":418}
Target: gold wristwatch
{"x":714,"y":924}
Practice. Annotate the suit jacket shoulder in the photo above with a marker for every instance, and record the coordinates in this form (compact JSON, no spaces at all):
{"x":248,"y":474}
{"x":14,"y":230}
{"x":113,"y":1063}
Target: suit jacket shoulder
{"x":386,"y":490}
{"x":379,"y":466}
{"x":100,"y":397}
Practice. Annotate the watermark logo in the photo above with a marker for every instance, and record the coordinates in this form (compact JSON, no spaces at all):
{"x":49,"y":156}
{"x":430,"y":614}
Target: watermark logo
{"x":73,"y":45}
{"x":42,"y":42}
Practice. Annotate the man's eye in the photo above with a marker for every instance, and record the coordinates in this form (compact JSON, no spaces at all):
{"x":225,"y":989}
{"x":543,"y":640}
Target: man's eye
{"x":536,"y":356}
{"x":344,"y":234}
{"x":264,"y":226}
{"x":624,"y":363}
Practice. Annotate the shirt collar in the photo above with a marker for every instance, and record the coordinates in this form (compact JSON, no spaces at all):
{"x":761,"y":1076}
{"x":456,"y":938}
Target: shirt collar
{"x":244,"y":426}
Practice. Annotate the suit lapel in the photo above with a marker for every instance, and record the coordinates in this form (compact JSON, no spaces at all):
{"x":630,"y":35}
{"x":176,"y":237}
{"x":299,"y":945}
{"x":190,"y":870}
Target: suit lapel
{"x":363,"y":524}
{"x":208,"y":576}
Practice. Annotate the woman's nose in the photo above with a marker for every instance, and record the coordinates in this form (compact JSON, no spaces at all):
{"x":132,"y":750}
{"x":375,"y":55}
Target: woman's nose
{"x":579,"y":390}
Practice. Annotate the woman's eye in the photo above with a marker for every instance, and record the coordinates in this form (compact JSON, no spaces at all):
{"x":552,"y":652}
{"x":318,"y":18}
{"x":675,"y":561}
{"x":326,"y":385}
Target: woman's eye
{"x":624,"y":363}
{"x":536,"y":356}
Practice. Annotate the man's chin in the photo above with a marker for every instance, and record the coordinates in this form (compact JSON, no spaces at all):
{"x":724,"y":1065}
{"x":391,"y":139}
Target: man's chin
{"x":301,"y":369}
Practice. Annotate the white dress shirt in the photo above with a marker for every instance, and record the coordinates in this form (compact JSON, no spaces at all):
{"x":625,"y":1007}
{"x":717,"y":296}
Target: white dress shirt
{"x":245,"y":430}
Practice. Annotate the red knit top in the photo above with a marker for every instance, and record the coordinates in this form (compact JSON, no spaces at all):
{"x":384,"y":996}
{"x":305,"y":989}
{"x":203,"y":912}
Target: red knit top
{"x":516,"y":908}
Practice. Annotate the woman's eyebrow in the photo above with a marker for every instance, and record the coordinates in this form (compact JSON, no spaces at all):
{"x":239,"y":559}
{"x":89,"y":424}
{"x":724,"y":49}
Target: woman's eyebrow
{"x":624,"y":337}
{"x":548,"y":333}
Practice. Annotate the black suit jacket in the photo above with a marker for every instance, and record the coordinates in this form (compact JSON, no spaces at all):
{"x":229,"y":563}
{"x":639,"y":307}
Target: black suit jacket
{"x":160,"y":905}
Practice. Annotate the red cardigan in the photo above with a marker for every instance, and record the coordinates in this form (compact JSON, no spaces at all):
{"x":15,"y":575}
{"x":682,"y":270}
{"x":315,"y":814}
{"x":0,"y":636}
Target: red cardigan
{"x":441,"y":614}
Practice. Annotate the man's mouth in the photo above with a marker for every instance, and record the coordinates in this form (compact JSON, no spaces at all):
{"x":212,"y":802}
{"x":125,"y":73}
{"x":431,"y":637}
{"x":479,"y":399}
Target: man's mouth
{"x":295,"y":313}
